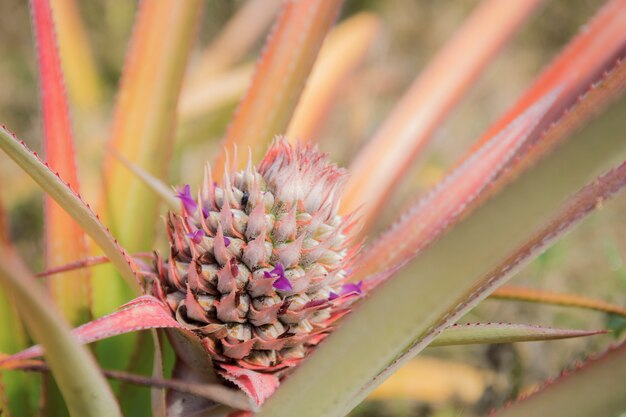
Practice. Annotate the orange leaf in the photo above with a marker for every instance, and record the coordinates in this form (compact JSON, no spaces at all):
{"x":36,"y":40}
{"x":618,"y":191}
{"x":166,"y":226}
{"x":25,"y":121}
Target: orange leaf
{"x":596,"y":48}
{"x":81,"y":75}
{"x":563,"y":299}
{"x":341,"y":53}
{"x":64,"y":239}
{"x":436,"y":91}
{"x":237,"y":37}
{"x":282,"y":71}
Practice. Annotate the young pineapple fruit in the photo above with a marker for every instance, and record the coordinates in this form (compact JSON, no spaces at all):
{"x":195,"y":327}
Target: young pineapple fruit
{"x":257,"y":265}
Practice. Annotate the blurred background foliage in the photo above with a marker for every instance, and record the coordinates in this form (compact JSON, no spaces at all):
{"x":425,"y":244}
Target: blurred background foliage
{"x":450,"y":381}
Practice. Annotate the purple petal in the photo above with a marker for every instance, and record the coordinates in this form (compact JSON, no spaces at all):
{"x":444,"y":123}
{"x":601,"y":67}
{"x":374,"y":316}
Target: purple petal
{"x":267,"y":275}
{"x":188,"y":202}
{"x":279,"y":270}
{"x":196,"y":236}
{"x":226,"y":241}
{"x":282,"y":284}
{"x":333,"y":296}
{"x":351,"y":288}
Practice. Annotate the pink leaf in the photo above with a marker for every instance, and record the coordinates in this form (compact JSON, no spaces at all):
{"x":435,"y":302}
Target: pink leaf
{"x":445,"y":204}
{"x":145,"y":312}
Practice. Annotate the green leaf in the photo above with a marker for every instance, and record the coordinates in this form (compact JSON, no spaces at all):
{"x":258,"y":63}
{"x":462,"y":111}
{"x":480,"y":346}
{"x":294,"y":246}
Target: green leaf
{"x":157,"y":186}
{"x":85,"y":390}
{"x":486,"y":333}
{"x":405,"y":313}
{"x":593,"y":389}
{"x":71,"y":202}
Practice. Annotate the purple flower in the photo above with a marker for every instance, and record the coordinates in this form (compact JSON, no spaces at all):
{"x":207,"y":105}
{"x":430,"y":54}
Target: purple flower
{"x":226,"y":241}
{"x":351,"y":288}
{"x":282,"y":282}
{"x":196,"y":236}
{"x":188,"y":202}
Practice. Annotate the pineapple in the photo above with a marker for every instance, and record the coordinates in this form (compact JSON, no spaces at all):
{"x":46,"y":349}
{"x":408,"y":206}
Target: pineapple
{"x":257,"y":265}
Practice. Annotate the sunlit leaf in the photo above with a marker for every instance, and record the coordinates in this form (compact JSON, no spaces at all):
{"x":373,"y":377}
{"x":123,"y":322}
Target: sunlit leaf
{"x":562,"y":299}
{"x":594,"y":50}
{"x":591,"y":389}
{"x":215,"y":93}
{"x":445,"y":203}
{"x":237,"y":37}
{"x":83,"y":81}
{"x":84,"y":388}
{"x":157,"y":186}
{"x":436,"y":91}
{"x":341,"y":53}
{"x":289,"y":54}
{"x":448,"y":277}
{"x":539,"y":142}
{"x":144,"y":120}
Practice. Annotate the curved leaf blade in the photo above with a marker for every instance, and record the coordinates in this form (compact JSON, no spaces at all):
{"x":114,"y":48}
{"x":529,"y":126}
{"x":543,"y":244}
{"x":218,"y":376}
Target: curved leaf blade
{"x":71,"y":202}
{"x":446,"y":203}
{"x":433,"y":95}
{"x":281,"y":73}
{"x":142,"y":313}
{"x":84,"y":388}
{"x":81,"y":73}
{"x":237,"y":37}
{"x":343,"y":50}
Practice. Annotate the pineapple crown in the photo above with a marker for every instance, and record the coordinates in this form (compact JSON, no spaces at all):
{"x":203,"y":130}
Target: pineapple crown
{"x":257,"y":265}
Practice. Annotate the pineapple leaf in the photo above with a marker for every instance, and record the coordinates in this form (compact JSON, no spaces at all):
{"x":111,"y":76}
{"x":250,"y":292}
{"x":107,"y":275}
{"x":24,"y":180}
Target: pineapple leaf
{"x":513,"y":293}
{"x":343,"y":50}
{"x":158,"y":187}
{"x":454,"y":274}
{"x":541,"y":141}
{"x":83,"y":81}
{"x":213,"y":94}
{"x":217,"y":393}
{"x":144,"y":120}
{"x":282,"y":71}
{"x":435,"y":92}
{"x":421,"y":224}
{"x":71,"y":202}
{"x":145,"y":312}
{"x":83,"y":387}
{"x":14,"y":387}
{"x":234,"y":41}
{"x":484,"y":333}
{"x":595,"y":380}
{"x":600,"y":42}
{"x":64,"y":239}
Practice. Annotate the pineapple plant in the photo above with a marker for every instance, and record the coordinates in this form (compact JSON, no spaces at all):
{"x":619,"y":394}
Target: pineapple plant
{"x":264,"y":291}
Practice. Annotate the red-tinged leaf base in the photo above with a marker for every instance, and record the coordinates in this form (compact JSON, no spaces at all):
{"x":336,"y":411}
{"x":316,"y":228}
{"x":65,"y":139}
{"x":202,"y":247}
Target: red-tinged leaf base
{"x":257,"y":385}
{"x":143,"y":313}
